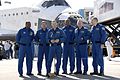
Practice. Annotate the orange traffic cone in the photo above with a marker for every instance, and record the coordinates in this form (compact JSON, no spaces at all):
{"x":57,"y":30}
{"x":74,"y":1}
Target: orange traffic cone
{"x":113,"y":54}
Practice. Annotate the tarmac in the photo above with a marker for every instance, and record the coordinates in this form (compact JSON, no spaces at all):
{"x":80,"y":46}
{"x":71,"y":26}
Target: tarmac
{"x":8,"y":71}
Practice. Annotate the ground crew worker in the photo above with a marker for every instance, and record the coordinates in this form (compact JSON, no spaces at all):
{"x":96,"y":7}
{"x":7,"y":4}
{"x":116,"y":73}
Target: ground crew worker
{"x":68,"y":48}
{"x":81,"y":37}
{"x":43,"y":45}
{"x":109,"y":47}
{"x":98,"y":37}
{"x":7,"y":49}
{"x":24,"y":38}
{"x":55,"y":37}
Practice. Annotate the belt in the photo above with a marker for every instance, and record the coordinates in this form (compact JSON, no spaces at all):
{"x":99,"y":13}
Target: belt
{"x":71,"y":43}
{"x":97,"y":41}
{"x":25,"y":44}
{"x":82,"y":43}
{"x":43,"y":44}
{"x":55,"y":44}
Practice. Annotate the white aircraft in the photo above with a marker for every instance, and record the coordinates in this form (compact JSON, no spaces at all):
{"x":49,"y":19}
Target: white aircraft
{"x":14,"y":14}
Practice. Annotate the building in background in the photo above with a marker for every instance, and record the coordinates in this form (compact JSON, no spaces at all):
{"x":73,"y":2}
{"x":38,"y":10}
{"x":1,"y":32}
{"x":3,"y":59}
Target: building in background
{"x":86,"y":13}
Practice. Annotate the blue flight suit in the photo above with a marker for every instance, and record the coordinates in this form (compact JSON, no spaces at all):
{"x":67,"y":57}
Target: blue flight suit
{"x":55,"y":48}
{"x":43,"y":48}
{"x":24,"y":38}
{"x":98,"y":37}
{"x":68,"y":48}
{"x":81,"y":37}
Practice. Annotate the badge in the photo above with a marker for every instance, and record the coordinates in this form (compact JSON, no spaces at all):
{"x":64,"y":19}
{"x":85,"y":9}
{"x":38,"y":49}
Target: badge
{"x":31,"y":33}
{"x":40,"y":33}
{"x":24,"y":32}
{"x":58,"y":32}
{"x":82,"y":31}
{"x":97,"y":28}
{"x":70,"y":30}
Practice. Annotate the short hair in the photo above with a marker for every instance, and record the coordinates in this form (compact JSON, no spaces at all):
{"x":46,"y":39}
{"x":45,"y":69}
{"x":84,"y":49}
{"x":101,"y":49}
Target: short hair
{"x":95,"y":18}
{"x":68,"y":21}
{"x":28,"y":22}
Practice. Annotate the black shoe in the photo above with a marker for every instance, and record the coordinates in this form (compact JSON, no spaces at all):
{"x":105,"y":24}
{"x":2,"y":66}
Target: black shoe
{"x":30,"y":74}
{"x":77,"y":72}
{"x":64,"y":73}
{"x":39,"y":74}
{"x":56,"y":73}
{"x":47,"y":75}
{"x":94,"y":73}
{"x":84,"y":73}
{"x":101,"y":74}
{"x":71,"y":73}
{"x":20,"y":75}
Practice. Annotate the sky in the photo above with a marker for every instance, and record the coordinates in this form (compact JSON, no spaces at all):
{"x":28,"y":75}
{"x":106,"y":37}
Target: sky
{"x":75,"y":4}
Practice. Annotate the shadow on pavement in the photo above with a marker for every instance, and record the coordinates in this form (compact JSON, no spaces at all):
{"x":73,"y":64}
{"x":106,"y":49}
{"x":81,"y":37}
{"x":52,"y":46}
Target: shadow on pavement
{"x":95,"y":77}
{"x":32,"y":78}
{"x":72,"y":77}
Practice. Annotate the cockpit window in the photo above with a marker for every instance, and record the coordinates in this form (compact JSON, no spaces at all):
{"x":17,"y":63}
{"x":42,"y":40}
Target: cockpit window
{"x":55,"y":2}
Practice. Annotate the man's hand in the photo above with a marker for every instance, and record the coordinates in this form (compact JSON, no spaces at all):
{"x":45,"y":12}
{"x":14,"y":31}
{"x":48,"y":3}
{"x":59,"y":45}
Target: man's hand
{"x":52,"y":41}
{"x":102,"y":45}
{"x":57,"y":40}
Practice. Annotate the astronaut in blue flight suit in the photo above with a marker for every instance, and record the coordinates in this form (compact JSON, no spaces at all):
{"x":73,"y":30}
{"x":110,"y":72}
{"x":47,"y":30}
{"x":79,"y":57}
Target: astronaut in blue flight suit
{"x":43,"y":45}
{"x":68,"y":48}
{"x":81,"y":36}
{"x":24,"y":38}
{"x":98,"y":38}
{"x":55,"y":37}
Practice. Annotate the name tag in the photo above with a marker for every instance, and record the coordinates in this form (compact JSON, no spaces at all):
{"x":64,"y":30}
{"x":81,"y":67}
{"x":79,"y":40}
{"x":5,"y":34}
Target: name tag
{"x":40,"y":33}
{"x":70,"y":30}
{"x":82,"y":31}
{"x":24,"y":32}
{"x":97,"y":28}
{"x":58,"y":32}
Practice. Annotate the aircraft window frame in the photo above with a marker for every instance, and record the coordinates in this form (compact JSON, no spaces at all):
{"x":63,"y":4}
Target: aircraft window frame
{"x":27,"y":13}
{"x":54,"y":2}
{"x":13,"y":14}
{"x":8,"y":14}
{"x":44,"y":4}
{"x":107,"y":6}
{"x":5,"y":15}
{"x":21,"y":13}
{"x":17,"y":14}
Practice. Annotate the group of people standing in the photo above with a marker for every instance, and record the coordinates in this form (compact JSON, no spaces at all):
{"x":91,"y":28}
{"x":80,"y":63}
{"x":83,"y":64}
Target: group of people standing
{"x":73,"y":39}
